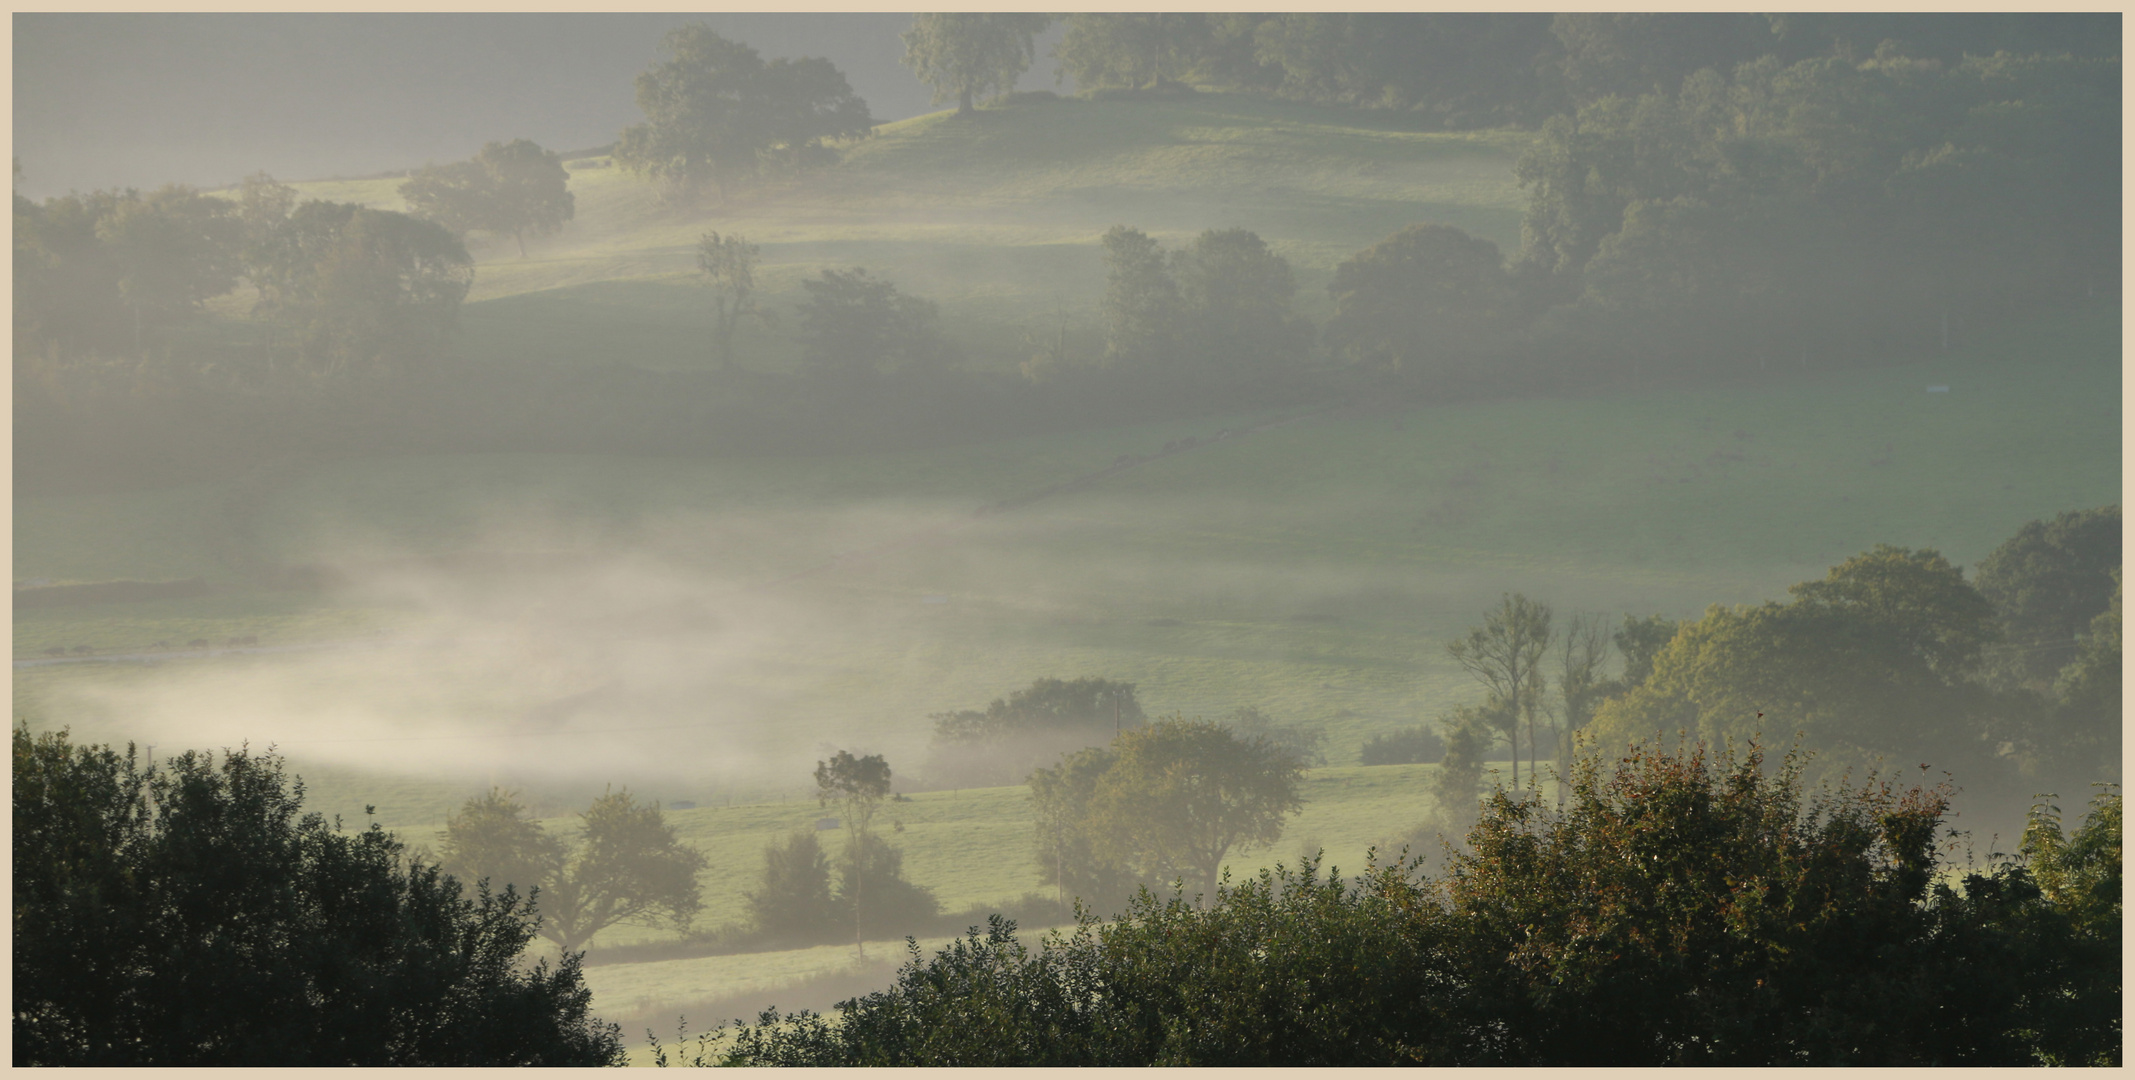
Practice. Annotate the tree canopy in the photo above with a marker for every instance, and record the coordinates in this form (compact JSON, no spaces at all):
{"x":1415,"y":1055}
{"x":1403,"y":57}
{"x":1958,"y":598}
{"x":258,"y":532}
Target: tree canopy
{"x":191,"y":914}
{"x":1179,"y":795}
{"x":1874,"y":659}
{"x":853,"y":327}
{"x":716,"y":112}
{"x":965,"y":55}
{"x":1003,"y":742}
{"x":2047,"y":583}
{"x":101,"y":272}
{"x":627,"y":867}
{"x":510,"y":189}
{"x":1429,"y":299}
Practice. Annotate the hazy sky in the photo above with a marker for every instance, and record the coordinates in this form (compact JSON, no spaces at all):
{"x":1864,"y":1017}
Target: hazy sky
{"x":116,"y":100}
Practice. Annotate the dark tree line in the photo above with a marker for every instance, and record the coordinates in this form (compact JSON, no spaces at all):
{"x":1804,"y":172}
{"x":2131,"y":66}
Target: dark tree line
{"x":339,"y":288}
{"x":1679,"y":910}
{"x":189,"y":913}
{"x":1475,"y":69}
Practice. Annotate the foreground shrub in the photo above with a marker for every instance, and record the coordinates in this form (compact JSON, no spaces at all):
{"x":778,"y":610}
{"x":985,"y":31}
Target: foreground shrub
{"x":187,"y":915}
{"x":1676,"y":911}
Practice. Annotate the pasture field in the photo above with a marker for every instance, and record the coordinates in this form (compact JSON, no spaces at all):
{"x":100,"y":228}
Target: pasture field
{"x":1312,"y":569}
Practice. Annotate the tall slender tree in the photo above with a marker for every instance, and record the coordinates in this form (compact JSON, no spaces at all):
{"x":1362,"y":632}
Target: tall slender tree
{"x":1505,"y":655}
{"x":728,"y":264}
{"x":856,"y":786}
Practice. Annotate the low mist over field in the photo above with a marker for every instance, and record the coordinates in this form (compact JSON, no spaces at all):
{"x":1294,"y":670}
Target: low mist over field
{"x":864,"y":473}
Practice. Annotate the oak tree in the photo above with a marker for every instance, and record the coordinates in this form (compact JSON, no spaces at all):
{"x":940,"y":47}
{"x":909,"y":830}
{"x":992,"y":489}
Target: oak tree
{"x":966,"y":54}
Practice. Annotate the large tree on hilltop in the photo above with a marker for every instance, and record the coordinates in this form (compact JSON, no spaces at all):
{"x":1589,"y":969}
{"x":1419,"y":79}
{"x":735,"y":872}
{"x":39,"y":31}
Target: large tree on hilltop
{"x":714,"y":108}
{"x":964,"y":54}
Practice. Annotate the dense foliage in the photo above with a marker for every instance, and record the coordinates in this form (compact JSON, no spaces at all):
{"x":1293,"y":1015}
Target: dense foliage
{"x":1409,"y":746}
{"x":1677,"y":911}
{"x":190,"y":914}
{"x":1162,"y":803}
{"x":628,"y":867}
{"x":853,"y":327}
{"x":1476,"y":69}
{"x":509,"y":189}
{"x":717,"y":113}
{"x":966,"y":54}
{"x":1002,"y":743}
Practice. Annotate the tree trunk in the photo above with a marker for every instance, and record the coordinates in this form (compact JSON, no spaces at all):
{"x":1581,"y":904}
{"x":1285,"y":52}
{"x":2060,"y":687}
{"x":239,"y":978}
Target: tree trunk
{"x":522,"y":242}
{"x":963,"y":101}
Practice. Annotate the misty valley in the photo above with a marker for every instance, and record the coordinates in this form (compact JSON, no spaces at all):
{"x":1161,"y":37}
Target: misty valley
{"x":1321,"y":539}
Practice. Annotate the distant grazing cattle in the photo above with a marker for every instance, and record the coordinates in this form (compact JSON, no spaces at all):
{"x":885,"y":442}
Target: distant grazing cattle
{"x":83,"y":650}
{"x":197,"y":643}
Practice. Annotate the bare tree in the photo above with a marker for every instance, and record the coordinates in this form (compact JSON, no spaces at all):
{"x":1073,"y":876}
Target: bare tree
{"x":1581,"y":686}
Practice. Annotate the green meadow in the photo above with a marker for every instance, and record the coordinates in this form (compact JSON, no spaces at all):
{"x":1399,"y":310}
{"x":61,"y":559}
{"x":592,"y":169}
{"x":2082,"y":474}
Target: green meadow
{"x":703,"y":630}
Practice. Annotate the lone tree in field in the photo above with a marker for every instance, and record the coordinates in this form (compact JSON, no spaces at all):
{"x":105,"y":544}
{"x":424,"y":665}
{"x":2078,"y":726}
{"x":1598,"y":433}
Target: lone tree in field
{"x":1179,"y":795}
{"x":1505,"y":655}
{"x":856,"y":786}
{"x":628,"y":867}
{"x":968,"y":54}
{"x":190,"y":913}
{"x":728,"y":264}
{"x":510,"y":189}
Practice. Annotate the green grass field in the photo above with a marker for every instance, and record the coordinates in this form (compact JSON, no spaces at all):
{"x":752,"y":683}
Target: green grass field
{"x":654,"y":635}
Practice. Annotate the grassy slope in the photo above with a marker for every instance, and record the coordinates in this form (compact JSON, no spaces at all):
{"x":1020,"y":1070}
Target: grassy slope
{"x":994,"y":217}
